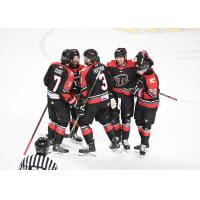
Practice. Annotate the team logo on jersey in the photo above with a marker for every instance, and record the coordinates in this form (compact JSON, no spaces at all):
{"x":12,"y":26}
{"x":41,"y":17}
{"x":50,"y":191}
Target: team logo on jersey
{"x":152,"y":80}
{"x":121,"y":80}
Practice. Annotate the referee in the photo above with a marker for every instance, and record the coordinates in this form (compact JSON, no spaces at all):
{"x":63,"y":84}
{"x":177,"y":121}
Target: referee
{"x":39,"y":161}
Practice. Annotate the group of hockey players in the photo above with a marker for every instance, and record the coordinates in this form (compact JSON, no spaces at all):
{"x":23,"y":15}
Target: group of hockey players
{"x":111,"y":95}
{"x":77,"y":94}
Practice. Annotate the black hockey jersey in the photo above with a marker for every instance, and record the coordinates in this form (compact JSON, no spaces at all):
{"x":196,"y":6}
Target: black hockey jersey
{"x":38,"y":162}
{"x":76,"y":84}
{"x":124,"y":77}
{"x":102,"y":86}
{"x":59,"y":80}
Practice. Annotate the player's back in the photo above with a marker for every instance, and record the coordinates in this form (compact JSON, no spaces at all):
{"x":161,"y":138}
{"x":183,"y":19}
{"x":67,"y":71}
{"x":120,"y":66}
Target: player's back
{"x":89,"y":78}
{"x":101,"y":86}
{"x":56,"y":77}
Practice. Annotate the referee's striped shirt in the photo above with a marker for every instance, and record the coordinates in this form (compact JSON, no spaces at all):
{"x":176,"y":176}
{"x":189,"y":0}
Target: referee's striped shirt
{"x":38,"y":162}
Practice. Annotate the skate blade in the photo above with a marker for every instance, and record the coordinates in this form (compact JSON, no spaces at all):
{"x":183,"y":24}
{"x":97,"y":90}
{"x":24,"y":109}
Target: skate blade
{"x":58,"y":153}
{"x":116,"y":150}
{"x":75,"y":142}
{"x":138,"y":151}
{"x":66,"y":136}
{"x":126,"y":150}
{"x":142,"y":156}
{"x":91,"y":154}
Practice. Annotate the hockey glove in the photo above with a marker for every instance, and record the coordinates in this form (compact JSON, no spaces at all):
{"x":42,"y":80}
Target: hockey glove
{"x":80,"y":110}
{"x":73,"y":103}
{"x":139,"y":85}
{"x":113,"y":103}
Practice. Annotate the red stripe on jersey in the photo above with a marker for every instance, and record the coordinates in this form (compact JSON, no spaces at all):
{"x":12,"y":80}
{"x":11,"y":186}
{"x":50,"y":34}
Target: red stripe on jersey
{"x":125,"y":128}
{"x":148,"y":105}
{"x":145,"y":133}
{"x":86,"y":131}
{"x":118,"y":90}
{"x":60,"y":131}
{"x":52,"y":126}
{"x":117,"y":127}
{"x":94,"y":101}
{"x":108,"y":127}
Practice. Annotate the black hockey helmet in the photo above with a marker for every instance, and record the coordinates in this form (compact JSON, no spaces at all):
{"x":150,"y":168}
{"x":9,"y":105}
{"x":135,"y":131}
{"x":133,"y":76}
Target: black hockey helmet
{"x":142,"y":64}
{"x":75,"y":52}
{"x":121,"y":52}
{"x":142,"y":54}
{"x":98,"y":59}
{"x":42,"y":145}
{"x":141,"y":57}
{"x":92,"y":55}
{"x":66,"y":56}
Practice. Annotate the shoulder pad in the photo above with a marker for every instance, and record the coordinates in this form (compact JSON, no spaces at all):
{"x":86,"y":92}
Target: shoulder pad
{"x":130,"y":63}
{"x":112,"y":63}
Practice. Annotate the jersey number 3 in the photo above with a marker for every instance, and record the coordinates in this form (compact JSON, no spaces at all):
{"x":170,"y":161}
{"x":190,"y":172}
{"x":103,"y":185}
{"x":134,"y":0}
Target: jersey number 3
{"x":103,"y":79}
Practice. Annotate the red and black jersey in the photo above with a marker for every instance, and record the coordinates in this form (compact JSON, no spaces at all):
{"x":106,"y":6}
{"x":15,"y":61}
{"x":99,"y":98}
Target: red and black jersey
{"x":76,"y":84}
{"x":150,"y":93}
{"x":102,"y":86}
{"x":124,"y":77}
{"x":59,"y":80}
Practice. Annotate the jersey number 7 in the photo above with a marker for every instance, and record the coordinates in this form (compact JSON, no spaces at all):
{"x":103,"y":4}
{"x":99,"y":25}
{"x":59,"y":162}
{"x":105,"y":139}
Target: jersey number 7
{"x":57,"y":79}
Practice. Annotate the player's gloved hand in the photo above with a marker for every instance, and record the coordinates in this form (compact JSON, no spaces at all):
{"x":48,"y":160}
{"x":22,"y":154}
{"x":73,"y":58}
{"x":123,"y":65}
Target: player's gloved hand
{"x":139,"y":85}
{"x":132,"y":90}
{"x":110,"y":95}
{"x":80,"y":110}
{"x":113,"y":103}
{"x":73,"y":102}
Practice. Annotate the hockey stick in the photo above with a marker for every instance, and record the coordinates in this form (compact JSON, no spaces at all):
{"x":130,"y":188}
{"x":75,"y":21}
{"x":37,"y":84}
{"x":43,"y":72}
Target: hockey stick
{"x":165,"y":95}
{"x":84,"y":104}
{"x":35,"y":130}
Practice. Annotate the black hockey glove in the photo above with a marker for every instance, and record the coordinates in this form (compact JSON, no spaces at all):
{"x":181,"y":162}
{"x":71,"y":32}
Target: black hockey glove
{"x":80,"y":110}
{"x":139,"y":85}
{"x":73,"y":103}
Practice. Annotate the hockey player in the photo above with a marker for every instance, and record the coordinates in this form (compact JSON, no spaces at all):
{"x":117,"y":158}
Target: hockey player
{"x":59,"y":80}
{"x":147,"y":93}
{"x":39,"y":161}
{"x":75,"y":90}
{"x":94,"y":83}
{"x":124,"y":75}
